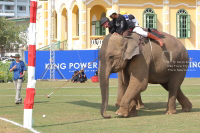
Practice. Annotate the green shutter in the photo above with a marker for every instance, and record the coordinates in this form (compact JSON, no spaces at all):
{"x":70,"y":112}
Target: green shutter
{"x":188,"y":26}
{"x":97,"y":28}
{"x":177,"y":26}
{"x":155,"y":21}
{"x":103,"y":31}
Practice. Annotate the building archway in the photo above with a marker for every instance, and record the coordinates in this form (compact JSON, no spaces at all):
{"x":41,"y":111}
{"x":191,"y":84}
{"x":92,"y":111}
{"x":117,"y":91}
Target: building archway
{"x":75,"y":18}
{"x":64,"y":25}
{"x":55,"y":25}
{"x":98,"y":11}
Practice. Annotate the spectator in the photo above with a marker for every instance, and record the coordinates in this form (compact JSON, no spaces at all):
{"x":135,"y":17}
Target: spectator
{"x":19,"y":69}
{"x":82,"y":77}
{"x":79,"y":77}
{"x":96,"y":73}
{"x":75,"y":77}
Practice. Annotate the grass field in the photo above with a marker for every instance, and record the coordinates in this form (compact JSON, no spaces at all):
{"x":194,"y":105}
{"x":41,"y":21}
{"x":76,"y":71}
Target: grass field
{"x":76,"y":108}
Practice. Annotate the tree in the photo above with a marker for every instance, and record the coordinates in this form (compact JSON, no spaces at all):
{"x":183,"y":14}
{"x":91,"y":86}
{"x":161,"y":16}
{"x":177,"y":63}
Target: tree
{"x":11,"y":34}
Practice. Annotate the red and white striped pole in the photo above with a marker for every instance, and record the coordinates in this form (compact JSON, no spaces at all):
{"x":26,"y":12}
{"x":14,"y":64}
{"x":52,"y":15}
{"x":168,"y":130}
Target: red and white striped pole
{"x":30,"y":90}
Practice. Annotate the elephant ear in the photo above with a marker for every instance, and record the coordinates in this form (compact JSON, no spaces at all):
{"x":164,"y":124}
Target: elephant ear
{"x":131,"y":48}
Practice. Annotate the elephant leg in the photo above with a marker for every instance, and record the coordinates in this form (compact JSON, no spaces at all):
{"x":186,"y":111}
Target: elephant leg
{"x":171,"y":106}
{"x":173,"y":88}
{"x":128,"y":103}
{"x":132,"y":108}
{"x":123,"y":80}
{"x":165,"y":86}
{"x":184,"y":101}
{"x":139,"y":102}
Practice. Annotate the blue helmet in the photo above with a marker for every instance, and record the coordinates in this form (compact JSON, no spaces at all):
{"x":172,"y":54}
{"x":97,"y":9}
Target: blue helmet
{"x":126,"y":16}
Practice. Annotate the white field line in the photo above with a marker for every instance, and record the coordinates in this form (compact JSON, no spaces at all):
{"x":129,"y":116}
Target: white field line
{"x":17,"y":124}
{"x":90,"y":95}
{"x":96,"y":87}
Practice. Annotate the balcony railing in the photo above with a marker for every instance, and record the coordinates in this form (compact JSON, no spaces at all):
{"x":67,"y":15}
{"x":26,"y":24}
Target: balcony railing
{"x":7,"y":0}
{"x":22,"y":1}
{"x":9,"y":11}
{"x":96,"y":40}
{"x":56,"y":46}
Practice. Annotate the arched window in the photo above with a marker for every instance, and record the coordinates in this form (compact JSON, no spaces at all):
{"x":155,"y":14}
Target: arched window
{"x":182,"y":24}
{"x":99,"y":30}
{"x":94,"y":19}
{"x":149,"y":18}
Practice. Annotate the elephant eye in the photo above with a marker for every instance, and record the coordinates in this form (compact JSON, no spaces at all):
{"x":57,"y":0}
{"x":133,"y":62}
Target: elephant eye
{"x":111,"y":57}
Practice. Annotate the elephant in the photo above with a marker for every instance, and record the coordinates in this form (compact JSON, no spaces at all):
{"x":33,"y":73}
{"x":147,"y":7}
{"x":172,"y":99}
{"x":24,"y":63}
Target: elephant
{"x":164,"y":65}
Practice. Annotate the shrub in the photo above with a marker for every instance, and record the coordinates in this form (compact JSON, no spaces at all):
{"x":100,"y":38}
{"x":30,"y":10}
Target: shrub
{"x":6,"y":75}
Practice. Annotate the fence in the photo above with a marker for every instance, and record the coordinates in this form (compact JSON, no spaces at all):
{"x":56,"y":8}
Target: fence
{"x":56,"y":46}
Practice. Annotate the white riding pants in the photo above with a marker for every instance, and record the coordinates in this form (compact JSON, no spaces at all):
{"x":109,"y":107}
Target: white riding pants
{"x":140,"y":31}
{"x":18,"y":86}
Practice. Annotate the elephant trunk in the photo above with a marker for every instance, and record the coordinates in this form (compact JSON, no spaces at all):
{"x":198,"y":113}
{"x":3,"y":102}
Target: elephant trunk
{"x":103,"y":76}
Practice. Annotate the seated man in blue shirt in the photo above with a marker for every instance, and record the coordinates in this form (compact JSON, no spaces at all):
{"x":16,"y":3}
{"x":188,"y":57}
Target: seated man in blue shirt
{"x":19,"y":69}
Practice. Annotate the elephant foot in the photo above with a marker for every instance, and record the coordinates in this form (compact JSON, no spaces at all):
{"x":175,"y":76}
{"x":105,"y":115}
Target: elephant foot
{"x":122,"y":112}
{"x":187,"y":108}
{"x":139,"y":107}
{"x":142,"y":106}
{"x":169,"y":112}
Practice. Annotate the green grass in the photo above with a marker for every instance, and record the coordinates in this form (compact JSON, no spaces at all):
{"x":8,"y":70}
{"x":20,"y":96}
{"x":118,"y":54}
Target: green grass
{"x":76,"y":108}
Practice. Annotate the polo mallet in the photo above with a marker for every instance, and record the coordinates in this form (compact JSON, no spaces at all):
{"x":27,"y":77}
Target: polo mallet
{"x":48,"y":96}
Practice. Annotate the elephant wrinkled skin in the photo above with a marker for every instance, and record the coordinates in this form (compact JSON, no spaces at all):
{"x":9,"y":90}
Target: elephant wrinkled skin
{"x":153,"y":64}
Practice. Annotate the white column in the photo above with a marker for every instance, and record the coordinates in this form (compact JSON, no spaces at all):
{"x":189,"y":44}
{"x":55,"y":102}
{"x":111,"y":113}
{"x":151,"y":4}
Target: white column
{"x":69,"y":29}
{"x":82,"y":24}
{"x":49,"y":22}
{"x":59,"y":26}
{"x":166,"y":19}
{"x":15,"y":8}
{"x":115,"y":5}
{"x":27,"y":8}
{"x":88,"y":27}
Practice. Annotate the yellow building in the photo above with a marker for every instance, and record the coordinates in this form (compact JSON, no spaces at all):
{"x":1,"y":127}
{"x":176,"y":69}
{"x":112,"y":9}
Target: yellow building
{"x":77,"y":21}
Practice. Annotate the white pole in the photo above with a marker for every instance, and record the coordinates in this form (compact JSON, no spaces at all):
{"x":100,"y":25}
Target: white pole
{"x":30,"y":90}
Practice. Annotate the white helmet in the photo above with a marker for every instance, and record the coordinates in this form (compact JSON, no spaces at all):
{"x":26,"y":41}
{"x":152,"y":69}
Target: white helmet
{"x":110,"y":12}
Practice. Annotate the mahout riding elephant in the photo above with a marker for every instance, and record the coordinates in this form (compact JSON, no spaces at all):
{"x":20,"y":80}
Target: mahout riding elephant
{"x":165,"y":65}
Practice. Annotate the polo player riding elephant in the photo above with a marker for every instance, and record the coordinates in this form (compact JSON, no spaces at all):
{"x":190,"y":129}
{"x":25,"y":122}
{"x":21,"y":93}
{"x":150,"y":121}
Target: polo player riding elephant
{"x":151,"y":64}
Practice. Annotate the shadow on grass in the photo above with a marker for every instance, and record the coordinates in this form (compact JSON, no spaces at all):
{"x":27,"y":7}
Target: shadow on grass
{"x":69,"y":123}
{"x":195,"y":110}
{"x":157,"y":108}
{"x":92,"y":105}
{"x":42,"y":102}
{"x":8,"y":106}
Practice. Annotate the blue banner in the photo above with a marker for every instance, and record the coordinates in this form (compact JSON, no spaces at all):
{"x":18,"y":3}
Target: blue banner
{"x":194,"y":64}
{"x":69,"y":61}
